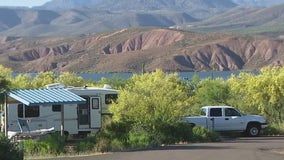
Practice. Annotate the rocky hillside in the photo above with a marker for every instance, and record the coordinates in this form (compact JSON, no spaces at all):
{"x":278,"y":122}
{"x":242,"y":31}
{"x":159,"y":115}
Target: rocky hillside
{"x":128,"y":50}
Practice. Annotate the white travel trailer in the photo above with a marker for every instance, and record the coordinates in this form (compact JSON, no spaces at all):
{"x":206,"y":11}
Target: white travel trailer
{"x":79,"y":118}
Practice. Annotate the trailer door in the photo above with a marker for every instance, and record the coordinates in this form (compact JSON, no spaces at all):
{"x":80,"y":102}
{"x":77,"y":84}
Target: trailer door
{"x":84,"y":114}
{"x":95,"y":115}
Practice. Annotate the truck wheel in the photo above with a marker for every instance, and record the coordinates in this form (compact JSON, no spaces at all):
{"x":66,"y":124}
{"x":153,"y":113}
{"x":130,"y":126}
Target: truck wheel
{"x":253,"y":130}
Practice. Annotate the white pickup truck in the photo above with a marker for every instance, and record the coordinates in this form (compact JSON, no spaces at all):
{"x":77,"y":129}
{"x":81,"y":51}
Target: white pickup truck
{"x":227,"y":118}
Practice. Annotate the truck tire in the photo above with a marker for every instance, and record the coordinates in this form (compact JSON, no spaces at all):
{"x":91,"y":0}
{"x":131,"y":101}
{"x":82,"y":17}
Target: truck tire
{"x":192,"y":125}
{"x":253,"y":130}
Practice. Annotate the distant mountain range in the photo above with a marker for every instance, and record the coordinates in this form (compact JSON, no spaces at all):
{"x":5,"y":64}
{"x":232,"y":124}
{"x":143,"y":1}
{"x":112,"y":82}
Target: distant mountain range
{"x":56,"y":17}
{"x":123,"y":35}
{"x":76,"y":17}
{"x":143,"y":5}
{"x":150,"y":4}
{"x":258,"y":3}
{"x":265,"y":21}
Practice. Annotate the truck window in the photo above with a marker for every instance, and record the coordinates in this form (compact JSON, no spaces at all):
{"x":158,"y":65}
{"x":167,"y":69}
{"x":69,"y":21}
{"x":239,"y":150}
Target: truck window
{"x":216,"y":112}
{"x":30,"y":111}
{"x":231,"y":112}
{"x":203,"y":112}
{"x":110,"y":98}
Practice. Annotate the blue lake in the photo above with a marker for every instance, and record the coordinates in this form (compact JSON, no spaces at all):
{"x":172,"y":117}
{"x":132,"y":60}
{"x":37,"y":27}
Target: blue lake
{"x":183,"y":75}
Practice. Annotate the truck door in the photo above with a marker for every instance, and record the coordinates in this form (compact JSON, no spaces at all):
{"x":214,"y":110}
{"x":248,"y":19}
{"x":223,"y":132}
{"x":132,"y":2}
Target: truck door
{"x":95,"y":109}
{"x":216,"y":119}
{"x":233,"y":120}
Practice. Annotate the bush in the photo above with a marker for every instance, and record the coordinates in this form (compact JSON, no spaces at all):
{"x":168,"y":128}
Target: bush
{"x":112,"y":137}
{"x":87,"y":144}
{"x":201,"y":134}
{"x":143,"y":137}
{"x":118,"y":130}
{"x":139,"y":138}
{"x":84,"y":146}
{"x":175,"y":133}
{"x":274,"y":129}
{"x":103,"y":145}
{"x":8,"y":149}
{"x":117,"y":145}
{"x":52,"y":144}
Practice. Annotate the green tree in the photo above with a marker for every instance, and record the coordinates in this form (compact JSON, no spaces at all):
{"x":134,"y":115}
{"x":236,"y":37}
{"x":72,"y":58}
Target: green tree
{"x":269,"y":93}
{"x":4,"y":84}
{"x":152,"y":99}
{"x":22,"y":81}
{"x":44,"y":78}
{"x":152,"y":96}
{"x":213,"y":92}
{"x":114,"y":81}
{"x":5,"y":72}
{"x":71,"y":79}
{"x":5,"y":76}
{"x":263,"y":93}
{"x":242,"y":91}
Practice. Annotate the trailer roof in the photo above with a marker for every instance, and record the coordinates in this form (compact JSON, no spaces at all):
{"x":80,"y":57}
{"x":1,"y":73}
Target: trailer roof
{"x":45,"y":96}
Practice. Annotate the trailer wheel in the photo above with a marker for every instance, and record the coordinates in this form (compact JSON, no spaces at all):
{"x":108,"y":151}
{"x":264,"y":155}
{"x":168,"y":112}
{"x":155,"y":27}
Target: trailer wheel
{"x":66,"y":133}
{"x":253,"y":130}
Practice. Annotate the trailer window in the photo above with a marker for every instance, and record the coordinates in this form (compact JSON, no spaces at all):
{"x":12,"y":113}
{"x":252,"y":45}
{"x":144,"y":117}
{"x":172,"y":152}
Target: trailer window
{"x":95,"y":103}
{"x":110,"y":98}
{"x":30,"y":111}
{"x":56,"y":108}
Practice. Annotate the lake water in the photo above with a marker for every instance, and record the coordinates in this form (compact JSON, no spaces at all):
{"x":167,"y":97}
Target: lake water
{"x":183,"y":75}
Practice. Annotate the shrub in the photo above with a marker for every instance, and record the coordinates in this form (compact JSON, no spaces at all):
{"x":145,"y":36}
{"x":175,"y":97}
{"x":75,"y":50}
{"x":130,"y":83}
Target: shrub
{"x":52,"y":144}
{"x":113,"y":136}
{"x":117,"y":145}
{"x":8,"y":149}
{"x":84,"y":146}
{"x":138,"y":138}
{"x":201,"y":134}
{"x":274,"y":129}
{"x":87,"y":144}
{"x":118,"y":130}
{"x":175,"y":133}
{"x":103,"y":145}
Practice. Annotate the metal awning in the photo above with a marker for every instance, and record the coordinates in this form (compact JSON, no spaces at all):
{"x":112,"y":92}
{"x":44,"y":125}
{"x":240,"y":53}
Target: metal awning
{"x":31,"y":97}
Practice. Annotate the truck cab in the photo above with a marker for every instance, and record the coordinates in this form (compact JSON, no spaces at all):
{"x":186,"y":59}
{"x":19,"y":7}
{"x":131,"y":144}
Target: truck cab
{"x":228,"y":118}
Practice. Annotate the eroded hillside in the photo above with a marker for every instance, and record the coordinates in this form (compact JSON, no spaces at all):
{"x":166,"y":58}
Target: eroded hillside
{"x":128,"y":50}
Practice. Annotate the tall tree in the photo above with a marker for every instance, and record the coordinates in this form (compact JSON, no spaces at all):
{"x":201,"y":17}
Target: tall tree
{"x":44,"y":78}
{"x":5,"y":75}
{"x":263,"y":92}
{"x":22,"y":81}
{"x":151,"y":99}
{"x":70,"y":79}
{"x":213,"y":92}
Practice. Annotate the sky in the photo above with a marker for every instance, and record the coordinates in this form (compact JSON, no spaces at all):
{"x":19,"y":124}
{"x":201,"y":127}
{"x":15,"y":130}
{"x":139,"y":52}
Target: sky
{"x":26,"y":3}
